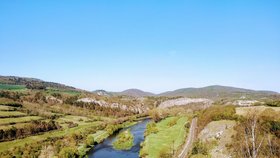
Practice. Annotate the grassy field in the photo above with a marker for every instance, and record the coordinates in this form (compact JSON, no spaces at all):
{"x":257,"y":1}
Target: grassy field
{"x":18,"y":125}
{"x":7,"y":108}
{"x":11,"y":114}
{"x":99,"y":136}
{"x":80,"y":120}
{"x":4,"y":121}
{"x":69,"y":92}
{"x":166,"y":139}
{"x":12,"y":87}
{"x":244,"y":110}
{"x":33,"y":139}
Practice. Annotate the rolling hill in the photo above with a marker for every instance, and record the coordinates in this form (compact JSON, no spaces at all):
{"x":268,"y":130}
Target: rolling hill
{"x":216,"y":91}
{"x":134,"y":93}
{"x":25,"y":82}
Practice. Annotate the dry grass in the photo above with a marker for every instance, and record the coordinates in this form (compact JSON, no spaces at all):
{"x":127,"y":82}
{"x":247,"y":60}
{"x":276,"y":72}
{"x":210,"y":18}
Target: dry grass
{"x":243,"y":111}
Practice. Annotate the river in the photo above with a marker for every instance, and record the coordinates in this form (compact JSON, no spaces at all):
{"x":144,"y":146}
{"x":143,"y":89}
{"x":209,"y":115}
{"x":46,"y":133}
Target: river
{"x":106,"y":150}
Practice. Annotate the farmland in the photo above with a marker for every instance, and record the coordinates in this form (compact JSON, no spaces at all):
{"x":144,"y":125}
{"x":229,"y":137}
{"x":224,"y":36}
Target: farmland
{"x":12,"y":87}
{"x":4,"y":114}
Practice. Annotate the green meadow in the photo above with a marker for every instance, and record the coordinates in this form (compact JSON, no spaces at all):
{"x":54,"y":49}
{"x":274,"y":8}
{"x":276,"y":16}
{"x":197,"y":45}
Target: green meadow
{"x":167,"y":139}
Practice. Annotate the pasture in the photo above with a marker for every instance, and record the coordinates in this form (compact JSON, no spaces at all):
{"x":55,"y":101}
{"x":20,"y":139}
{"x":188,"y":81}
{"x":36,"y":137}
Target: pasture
{"x":167,"y":139}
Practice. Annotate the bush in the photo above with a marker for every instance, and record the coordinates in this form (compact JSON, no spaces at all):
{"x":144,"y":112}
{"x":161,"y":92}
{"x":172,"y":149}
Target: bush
{"x":68,"y":152}
{"x":90,"y":141}
{"x":216,"y":113}
{"x":151,"y":128}
{"x":274,"y":103}
{"x":165,"y":154}
{"x":173,"y":122}
{"x":124,"y":141}
{"x":199,"y":148}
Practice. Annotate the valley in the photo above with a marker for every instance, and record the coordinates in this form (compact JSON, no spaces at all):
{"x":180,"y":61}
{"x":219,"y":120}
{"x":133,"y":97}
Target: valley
{"x":46,"y":119}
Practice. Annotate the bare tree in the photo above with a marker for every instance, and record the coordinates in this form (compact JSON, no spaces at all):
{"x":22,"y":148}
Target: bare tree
{"x":252,"y":135}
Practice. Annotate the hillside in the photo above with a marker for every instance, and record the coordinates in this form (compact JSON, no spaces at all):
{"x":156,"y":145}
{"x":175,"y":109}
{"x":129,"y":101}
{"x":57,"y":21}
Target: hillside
{"x":214,"y":92}
{"x":134,"y":93}
{"x":33,"y":83}
{"x":102,"y":93}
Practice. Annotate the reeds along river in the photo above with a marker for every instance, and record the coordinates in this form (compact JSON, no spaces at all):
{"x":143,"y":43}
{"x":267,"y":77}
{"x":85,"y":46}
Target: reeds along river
{"x":106,"y":150}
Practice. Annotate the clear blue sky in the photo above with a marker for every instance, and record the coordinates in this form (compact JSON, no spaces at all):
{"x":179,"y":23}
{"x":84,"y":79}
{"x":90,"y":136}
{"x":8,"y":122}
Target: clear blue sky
{"x":154,"y":45}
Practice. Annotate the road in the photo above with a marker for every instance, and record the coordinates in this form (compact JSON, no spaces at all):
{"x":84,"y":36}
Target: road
{"x":189,"y":139}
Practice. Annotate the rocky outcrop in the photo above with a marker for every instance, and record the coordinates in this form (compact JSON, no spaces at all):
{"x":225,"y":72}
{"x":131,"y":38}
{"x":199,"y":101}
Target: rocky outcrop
{"x":53,"y":100}
{"x":244,"y":102}
{"x":185,"y":101}
{"x":137,"y":108}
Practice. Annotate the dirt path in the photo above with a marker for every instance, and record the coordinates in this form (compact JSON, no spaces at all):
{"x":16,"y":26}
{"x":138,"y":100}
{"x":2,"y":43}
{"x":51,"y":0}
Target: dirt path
{"x":189,"y":140}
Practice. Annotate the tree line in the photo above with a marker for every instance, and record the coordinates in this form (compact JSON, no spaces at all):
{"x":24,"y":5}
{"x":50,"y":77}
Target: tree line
{"x":30,"y":129}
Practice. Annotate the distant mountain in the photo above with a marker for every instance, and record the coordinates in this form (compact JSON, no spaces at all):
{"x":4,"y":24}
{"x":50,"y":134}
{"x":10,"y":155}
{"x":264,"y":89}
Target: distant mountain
{"x":134,"y":93}
{"x":217,"y":91}
{"x":15,"y":80}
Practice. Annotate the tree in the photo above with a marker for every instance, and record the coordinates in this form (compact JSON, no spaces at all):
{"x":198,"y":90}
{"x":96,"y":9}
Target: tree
{"x":154,"y":114}
{"x":253,"y":137}
{"x":151,"y":128}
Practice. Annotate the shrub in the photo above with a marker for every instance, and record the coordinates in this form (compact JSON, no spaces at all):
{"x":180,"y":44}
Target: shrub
{"x":216,"y":113}
{"x":151,"y":128}
{"x":68,"y":152}
{"x":90,"y":140}
{"x":173,"y":122}
{"x":165,"y":154}
{"x":199,"y":148}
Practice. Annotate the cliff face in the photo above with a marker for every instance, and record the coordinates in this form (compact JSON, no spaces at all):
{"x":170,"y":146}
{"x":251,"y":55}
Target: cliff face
{"x":137,"y":108}
{"x":185,"y":101}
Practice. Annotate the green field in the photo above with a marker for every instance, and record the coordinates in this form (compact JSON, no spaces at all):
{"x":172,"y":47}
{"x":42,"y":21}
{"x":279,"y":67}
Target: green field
{"x":11,"y":87}
{"x":4,"y":121}
{"x":80,"y":120}
{"x":33,"y":139}
{"x":166,"y":139}
{"x":11,"y":114}
{"x":99,"y":136}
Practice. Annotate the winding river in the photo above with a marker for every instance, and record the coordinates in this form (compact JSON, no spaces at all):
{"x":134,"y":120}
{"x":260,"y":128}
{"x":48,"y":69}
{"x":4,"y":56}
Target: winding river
{"x":106,"y":150}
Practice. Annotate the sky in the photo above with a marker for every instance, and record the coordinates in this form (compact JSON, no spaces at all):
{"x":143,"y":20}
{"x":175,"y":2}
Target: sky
{"x":153,"y":45}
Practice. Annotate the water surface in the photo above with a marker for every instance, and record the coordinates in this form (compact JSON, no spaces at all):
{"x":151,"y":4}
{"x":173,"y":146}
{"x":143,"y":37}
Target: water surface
{"x":106,"y":150}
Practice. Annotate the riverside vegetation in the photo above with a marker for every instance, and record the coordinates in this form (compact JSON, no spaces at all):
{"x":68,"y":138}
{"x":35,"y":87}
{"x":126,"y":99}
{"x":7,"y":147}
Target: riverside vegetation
{"x":124,"y":141}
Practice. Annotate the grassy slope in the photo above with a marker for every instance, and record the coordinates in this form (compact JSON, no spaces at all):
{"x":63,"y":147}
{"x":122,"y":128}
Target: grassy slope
{"x":166,"y":137}
{"x":11,"y":114}
{"x":6,"y":108}
{"x":18,"y":125}
{"x":19,"y":120}
{"x":11,"y":87}
{"x":33,"y":139}
{"x":80,"y":120}
{"x":62,"y":91}
{"x":244,"y":110}
{"x":99,"y":136}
